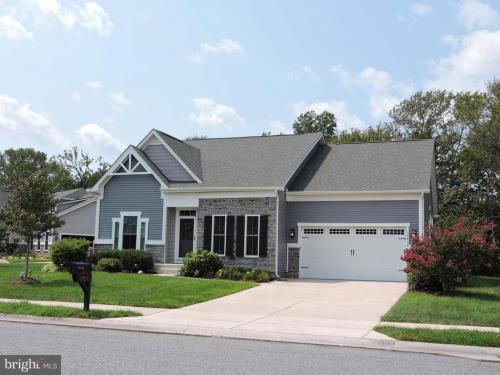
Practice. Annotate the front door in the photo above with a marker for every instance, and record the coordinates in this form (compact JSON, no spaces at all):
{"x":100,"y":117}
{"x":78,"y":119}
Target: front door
{"x":186,"y":236}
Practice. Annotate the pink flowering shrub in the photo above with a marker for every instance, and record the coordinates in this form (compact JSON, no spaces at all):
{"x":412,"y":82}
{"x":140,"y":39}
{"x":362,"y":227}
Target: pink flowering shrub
{"x":443,"y":257}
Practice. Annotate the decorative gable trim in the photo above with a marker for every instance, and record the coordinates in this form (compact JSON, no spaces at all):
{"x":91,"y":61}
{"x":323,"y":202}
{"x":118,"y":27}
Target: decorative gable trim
{"x":124,"y":165}
{"x":147,"y":140}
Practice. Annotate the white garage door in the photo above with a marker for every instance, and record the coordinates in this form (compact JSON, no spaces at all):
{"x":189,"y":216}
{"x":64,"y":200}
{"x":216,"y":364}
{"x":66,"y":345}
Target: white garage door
{"x":352,"y":252}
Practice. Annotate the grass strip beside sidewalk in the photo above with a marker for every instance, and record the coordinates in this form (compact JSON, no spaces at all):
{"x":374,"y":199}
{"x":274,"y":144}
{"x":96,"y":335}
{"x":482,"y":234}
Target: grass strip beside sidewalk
{"x":25,"y":308}
{"x":440,"y":336}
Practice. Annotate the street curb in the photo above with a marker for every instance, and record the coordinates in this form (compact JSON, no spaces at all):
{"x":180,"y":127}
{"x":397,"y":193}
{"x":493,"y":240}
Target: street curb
{"x":483,"y":354}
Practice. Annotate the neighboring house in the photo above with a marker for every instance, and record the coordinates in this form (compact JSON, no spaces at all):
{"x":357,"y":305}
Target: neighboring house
{"x":290,"y":204}
{"x":77,"y":208}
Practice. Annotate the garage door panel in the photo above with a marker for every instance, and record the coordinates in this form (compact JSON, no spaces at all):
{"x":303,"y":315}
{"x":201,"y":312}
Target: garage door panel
{"x":352,"y":253}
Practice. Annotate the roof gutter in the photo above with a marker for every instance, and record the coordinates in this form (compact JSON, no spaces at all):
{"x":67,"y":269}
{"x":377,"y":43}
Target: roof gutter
{"x":350,"y":192}
{"x":218,"y":189}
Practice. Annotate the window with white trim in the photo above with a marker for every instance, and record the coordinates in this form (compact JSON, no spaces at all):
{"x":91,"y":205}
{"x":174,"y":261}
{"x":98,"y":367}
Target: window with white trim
{"x":366,"y":231}
{"x":187,"y":213}
{"x":252,"y":230}
{"x":340,"y":231}
{"x":130,"y":231}
{"x":393,"y":232}
{"x":313,"y":231}
{"x":219,"y":234}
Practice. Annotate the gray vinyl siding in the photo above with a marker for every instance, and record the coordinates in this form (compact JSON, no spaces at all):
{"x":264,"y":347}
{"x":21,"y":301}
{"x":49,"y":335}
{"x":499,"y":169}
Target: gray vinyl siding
{"x":352,"y":212}
{"x":167,"y":164}
{"x":80,"y":221}
{"x":282,"y":253}
{"x":132,"y":193}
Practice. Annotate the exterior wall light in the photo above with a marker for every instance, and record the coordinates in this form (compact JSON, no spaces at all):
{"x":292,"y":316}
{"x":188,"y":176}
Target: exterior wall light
{"x":292,"y":233}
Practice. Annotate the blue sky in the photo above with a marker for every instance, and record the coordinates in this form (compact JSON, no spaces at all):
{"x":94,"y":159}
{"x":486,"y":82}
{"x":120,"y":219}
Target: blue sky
{"x":101,"y":74}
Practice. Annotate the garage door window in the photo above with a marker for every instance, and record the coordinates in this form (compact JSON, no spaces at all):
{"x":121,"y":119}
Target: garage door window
{"x":393,"y":232}
{"x":366,"y":231}
{"x":340,"y":231}
{"x":313,"y":231}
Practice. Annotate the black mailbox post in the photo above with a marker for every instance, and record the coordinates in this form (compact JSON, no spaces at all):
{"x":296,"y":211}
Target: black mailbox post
{"x":82,"y":273}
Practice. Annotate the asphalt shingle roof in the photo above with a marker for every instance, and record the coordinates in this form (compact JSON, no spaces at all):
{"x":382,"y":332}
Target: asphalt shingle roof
{"x":190,"y":155}
{"x":250,"y":161}
{"x":377,"y":166}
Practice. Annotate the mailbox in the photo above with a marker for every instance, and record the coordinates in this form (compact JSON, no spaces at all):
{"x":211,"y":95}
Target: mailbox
{"x":82,"y":274}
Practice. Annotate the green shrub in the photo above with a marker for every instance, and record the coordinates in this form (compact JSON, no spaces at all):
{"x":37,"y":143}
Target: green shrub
{"x":202,"y":263}
{"x":245,"y":274}
{"x":136,"y":260}
{"x":229,"y":273}
{"x":69,"y":250}
{"x":100,"y":254}
{"x":108,"y":265}
{"x":262,"y":276}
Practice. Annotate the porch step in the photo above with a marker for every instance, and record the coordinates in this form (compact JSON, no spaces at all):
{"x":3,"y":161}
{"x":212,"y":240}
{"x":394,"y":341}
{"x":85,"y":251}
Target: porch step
{"x":172,"y":269}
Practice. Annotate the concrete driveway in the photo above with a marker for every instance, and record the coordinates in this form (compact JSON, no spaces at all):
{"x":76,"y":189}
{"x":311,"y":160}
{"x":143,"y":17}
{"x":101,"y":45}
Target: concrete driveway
{"x":333,"y":308}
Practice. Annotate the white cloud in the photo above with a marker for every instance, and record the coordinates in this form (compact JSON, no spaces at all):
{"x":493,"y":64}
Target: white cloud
{"x":18,"y":119}
{"x":13,"y":29}
{"x":211,"y":114}
{"x":383,"y":93}
{"x":75,"y":96}
{"x":224,"y":46}
{"x":277,"y":127}
{"x":95,"y":85}
{"x":89,"y":16}
{"x":475,"y":61}
{"x":94,"y":135}
{"x":420,"y":9}
{"x":94,"y":17}
{"x":119,"y":101}
{"x":450,"y":40}
{"x":477,"y":14}
{"x":304,"y":71}
{"x":345,"y":119}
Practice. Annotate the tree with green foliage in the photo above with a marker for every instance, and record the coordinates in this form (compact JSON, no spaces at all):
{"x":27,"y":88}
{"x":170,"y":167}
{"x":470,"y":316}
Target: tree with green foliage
{"x":311,"y":122}
{"x":370,"y":134}
{"x":77,"y":169}
{"x":30,"y":211}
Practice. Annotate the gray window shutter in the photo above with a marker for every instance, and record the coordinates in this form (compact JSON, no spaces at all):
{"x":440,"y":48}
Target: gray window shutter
{"x":207,"y":233}
{"x":263,"y":236}
{"x":230,"y":237}
{"x":240,"y":236}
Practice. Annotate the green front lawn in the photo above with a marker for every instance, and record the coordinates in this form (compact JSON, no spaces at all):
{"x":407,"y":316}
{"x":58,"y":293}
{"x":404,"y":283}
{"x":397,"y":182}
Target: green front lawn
{"x":117,"y":288}
{"x":477,"y":304}
{"x":448,"y":336}
{"x":24,"y":308}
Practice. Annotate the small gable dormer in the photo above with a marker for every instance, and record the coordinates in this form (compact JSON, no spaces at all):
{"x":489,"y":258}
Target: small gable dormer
{"x":176,"y":160}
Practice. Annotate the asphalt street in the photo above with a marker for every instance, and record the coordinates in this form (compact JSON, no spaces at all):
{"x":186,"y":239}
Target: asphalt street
{"x":93,"y":351}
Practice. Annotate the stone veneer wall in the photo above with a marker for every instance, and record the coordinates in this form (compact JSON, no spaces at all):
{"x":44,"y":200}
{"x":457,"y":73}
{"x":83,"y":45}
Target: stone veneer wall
{"x":236,"y":207}
{"x":293,"y":262}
